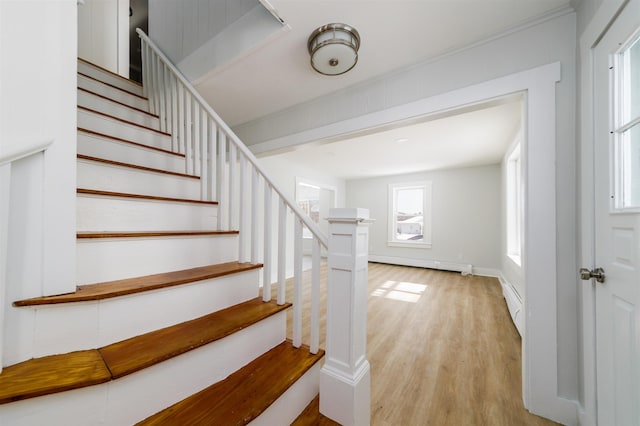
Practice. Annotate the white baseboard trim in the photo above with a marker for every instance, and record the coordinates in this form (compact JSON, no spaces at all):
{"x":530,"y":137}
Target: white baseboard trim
{"x":584,"y":418}
{"x":514,"y":303}
{"x":486,"y":272}
{"x":463,"y":268}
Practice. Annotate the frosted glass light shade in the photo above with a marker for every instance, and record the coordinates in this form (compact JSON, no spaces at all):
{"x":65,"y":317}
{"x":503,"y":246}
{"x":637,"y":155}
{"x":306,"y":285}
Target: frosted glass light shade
{"x":334,"y":48}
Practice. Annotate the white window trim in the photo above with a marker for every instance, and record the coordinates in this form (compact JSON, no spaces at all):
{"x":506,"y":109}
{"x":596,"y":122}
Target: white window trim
{"x":514,"y":202}
{"x":426,"y":209}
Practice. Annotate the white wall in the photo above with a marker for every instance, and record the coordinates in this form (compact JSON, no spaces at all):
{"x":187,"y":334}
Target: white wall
{"x":38,"y":60}
{"x":465,"y":217}
{"x":285,"y":173}
{"x":103,"y":34}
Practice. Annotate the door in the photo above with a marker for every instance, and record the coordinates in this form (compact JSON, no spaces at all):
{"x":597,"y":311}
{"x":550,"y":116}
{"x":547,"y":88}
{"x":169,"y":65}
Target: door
{"x":616,"y":70}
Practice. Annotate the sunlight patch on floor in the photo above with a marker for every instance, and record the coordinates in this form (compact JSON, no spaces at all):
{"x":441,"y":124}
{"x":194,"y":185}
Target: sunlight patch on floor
{"x":400,"y":290}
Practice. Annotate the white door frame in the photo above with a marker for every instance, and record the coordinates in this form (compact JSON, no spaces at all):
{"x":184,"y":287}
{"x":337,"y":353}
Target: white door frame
{"x":589,"y":39}
{"x":540,"y":344}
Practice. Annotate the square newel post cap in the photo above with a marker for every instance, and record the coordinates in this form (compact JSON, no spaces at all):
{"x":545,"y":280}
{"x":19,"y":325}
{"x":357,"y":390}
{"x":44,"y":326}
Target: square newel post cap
{"x":349,"y":215}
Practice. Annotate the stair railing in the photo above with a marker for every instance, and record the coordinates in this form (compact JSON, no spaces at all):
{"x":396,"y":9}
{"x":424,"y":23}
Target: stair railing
{"x":232,"y":176}
{"x":23,"y":150}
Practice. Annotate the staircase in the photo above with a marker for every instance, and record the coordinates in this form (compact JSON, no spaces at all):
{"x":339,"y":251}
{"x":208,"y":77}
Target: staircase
{"x":167,"y":325}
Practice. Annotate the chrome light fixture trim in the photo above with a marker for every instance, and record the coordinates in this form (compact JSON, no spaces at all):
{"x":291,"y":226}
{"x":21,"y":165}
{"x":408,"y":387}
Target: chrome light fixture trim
{"x":334,"y":48}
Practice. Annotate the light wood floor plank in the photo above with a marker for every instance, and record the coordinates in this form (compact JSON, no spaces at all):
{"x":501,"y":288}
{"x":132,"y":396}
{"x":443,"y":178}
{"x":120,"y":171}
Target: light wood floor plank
{"x":442,"y":348}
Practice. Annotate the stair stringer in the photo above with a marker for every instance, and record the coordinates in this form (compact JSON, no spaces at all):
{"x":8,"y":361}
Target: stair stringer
{"x":293,"y":402}
{"x":135,"y":397}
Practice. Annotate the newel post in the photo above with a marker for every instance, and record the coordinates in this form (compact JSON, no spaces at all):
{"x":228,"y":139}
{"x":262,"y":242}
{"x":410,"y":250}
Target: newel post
{"x":345,"y":378}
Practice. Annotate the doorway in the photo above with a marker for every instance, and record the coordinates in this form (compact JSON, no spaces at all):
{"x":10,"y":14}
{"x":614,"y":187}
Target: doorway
{"x":138,"y":18}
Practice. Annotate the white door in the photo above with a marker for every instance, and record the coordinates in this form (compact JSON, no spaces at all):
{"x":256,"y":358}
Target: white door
{"x":616,"y":70}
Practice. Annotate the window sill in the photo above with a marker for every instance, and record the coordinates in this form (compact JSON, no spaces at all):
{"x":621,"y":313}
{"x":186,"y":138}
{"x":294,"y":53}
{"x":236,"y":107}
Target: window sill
{"x":408,"y":244}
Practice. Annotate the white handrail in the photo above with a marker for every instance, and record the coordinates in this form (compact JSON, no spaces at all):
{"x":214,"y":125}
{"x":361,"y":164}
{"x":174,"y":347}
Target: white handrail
{"x":311,"y":226}
{"x":24,"y":149}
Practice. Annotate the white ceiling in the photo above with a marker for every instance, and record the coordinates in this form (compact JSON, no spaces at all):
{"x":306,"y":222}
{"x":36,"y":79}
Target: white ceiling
{"x":395,"y":34}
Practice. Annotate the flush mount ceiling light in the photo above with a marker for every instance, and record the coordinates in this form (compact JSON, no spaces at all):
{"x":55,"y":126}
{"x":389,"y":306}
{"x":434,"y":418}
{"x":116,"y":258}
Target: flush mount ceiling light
{"x":334,"y":48}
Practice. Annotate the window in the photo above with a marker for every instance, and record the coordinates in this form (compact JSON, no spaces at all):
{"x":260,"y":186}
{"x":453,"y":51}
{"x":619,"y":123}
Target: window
{"x":626,"y":126}
{"x":514,"y":206}
{"x":410,"y":215}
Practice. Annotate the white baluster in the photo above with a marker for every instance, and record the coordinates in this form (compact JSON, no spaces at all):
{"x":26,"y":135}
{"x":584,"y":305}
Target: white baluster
{"x":181,"y":123}
{"x":282,"y":252}
{"x":188,"y":133}
{"x":150,"y":83}
{"x":157,"y":84}
{"x":314,"y":343}
{"x":212,"y":137}
{"x":266,"y":269}
{"x":5,"y":192}
{"x":145,"y":67}
{"x":243,"y":210}
{"x":168,"y":76}
{"x":196,"y":139}
{"x":297,"y":283}
{"x":255,"y":195}
{"x":162,"y":111}
{"x":154,"y":84}
{"x":174,"y":115}
{"x":233,"y":188}
{"x":223,"y":208}
{"x":204,"y":146}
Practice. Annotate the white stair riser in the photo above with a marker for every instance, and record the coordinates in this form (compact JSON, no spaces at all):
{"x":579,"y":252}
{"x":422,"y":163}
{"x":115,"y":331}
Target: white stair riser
{"x":111,"y":149}
{"x":109,"y":126}
{"x":100,"y":213}
{"x":289,"y":405}
{"x":106,"y":177}
{"x":106,"y":76}
{"x":115,"y":109}
{"x":111,"y":93}
{"x":107,"y":259}
{"x":135,"y":397}
{"x":86,"y":325}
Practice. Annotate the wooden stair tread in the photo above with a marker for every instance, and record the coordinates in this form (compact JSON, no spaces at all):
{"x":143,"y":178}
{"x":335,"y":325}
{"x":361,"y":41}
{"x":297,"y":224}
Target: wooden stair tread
{"x":141,"y":145}
{"x":127,"y":286}
{"x":56,"y":373}
{"x":86,"y":191}
{"x":143,"y":234}
{"x":82,"y":89}
{"x":59,"y":373}
{"x":245,"y":394}
{"x":137,"y":83}
{"x":122,"y":120}
{"x":311,"y":416}
{"x":143,"y":351}
{"x":134,"y":166}
{"x":113,"y":86}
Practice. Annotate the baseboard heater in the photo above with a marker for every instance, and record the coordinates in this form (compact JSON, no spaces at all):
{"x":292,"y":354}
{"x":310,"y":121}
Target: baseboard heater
{"x":514,"y":303}
{"x":463,"y":268}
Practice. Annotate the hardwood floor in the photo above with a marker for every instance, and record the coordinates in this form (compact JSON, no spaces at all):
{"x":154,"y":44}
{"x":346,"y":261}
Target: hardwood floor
{"x":443,"y":350}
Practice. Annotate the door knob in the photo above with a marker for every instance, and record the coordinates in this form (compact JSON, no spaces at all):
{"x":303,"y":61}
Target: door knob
{"x":597,"y":273}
